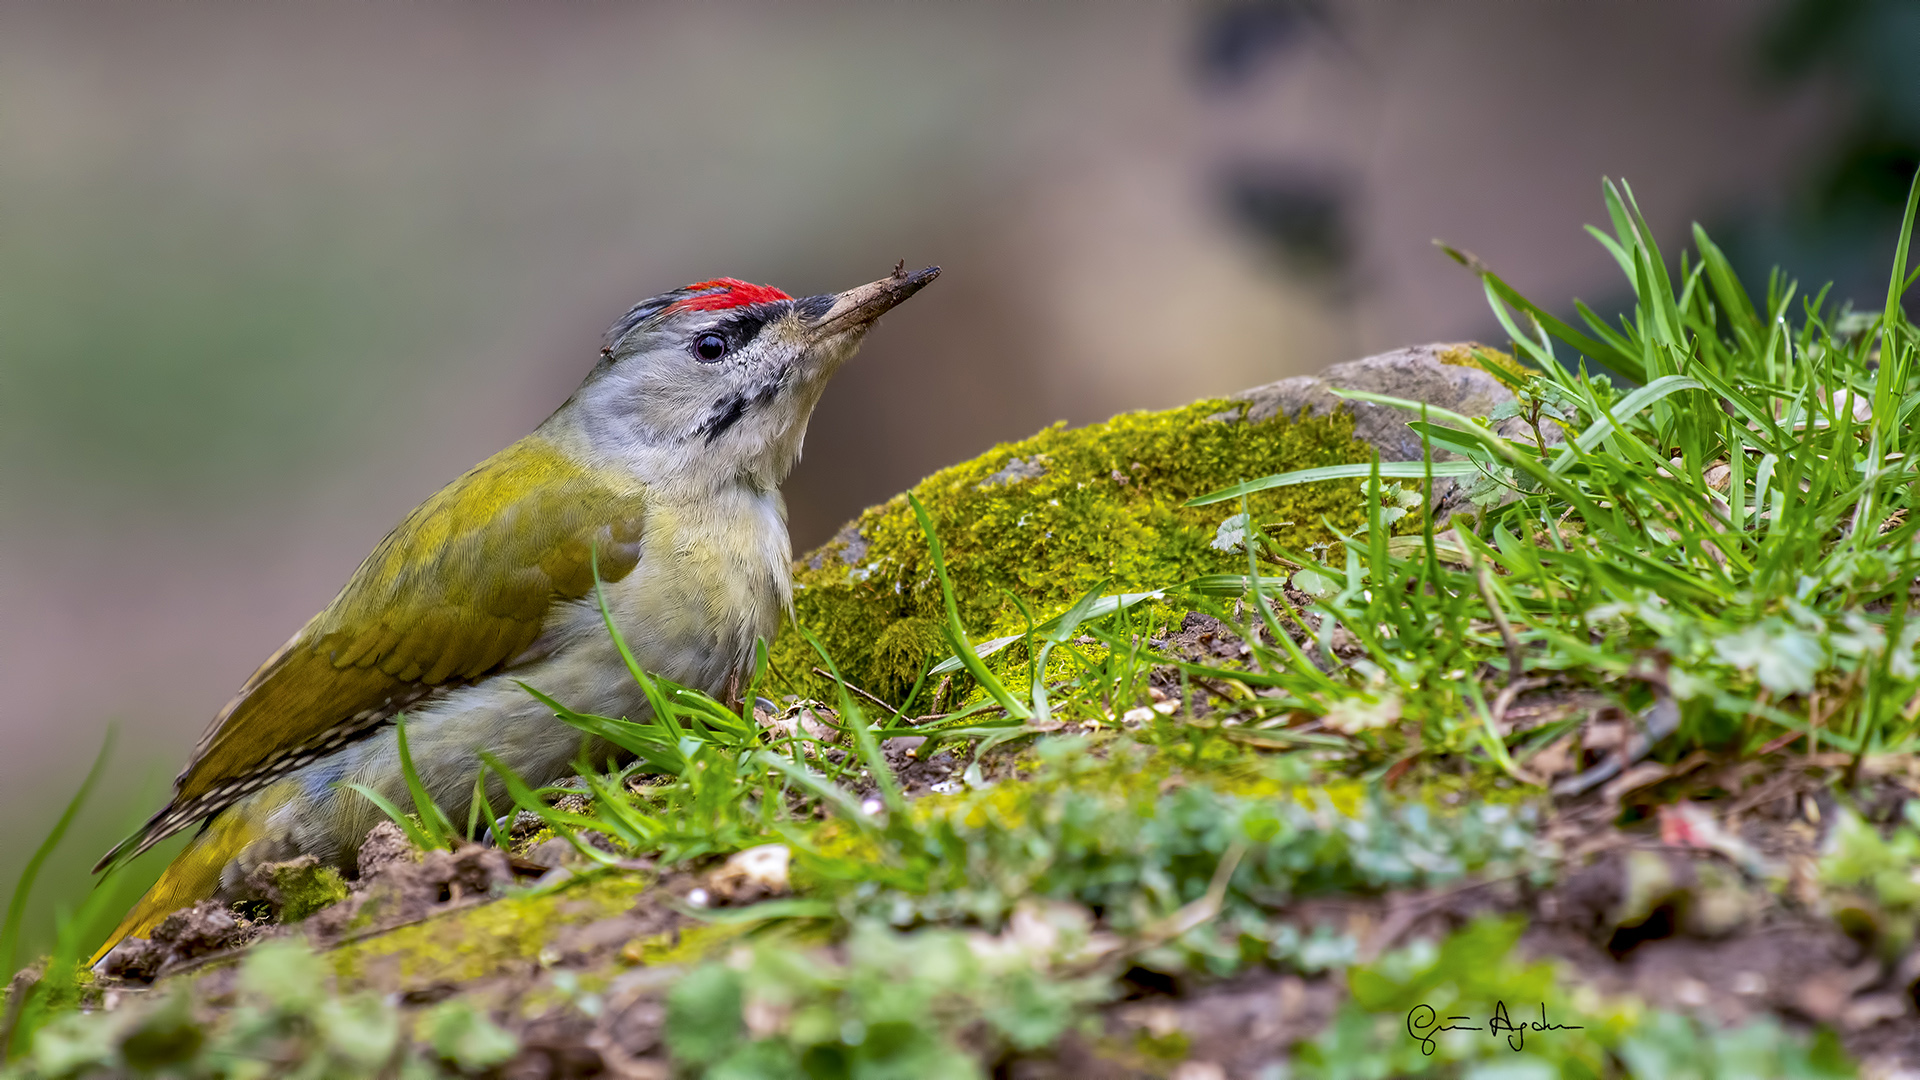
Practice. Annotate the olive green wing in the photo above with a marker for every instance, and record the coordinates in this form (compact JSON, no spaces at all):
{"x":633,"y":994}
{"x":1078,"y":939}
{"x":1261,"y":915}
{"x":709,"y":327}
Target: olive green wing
{"x":462,"y":587}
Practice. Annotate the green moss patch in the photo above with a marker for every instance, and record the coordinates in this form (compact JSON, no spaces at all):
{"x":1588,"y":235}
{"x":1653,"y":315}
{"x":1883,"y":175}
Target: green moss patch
{"x":1046,"y":519}
{"x":474,"y":942}
{"x":300,"y":887}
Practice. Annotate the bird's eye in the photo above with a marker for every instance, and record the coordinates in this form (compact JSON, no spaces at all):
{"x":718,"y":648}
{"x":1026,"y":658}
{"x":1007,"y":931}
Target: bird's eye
{"x":710,"y":347}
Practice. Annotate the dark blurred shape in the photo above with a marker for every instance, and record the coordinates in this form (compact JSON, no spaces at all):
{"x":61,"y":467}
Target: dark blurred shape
{"x":1844,"y":208}
{"x":1237,"y":39}
{"x":1868,"y":47}
{"x":1301,"y":215}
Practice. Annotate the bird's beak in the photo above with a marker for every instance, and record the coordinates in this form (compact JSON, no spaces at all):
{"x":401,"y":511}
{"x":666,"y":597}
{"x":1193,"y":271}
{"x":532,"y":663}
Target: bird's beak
{"x":856,"y":308}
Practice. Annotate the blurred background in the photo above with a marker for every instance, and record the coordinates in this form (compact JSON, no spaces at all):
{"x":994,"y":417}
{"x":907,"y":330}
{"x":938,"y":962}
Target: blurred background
{"x":272,"y":274}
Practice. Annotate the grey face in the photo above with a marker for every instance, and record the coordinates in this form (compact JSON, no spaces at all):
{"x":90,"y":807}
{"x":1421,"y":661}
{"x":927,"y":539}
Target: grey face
{"x":725,"y":387}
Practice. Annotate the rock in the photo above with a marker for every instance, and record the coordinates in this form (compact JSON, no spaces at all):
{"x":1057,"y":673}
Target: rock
{"x":1444,"y":376}
{"x":556,"y":851}
{"x":751,"y":875}
{"x":1025,"y":517}
{"x":1015,"y":471}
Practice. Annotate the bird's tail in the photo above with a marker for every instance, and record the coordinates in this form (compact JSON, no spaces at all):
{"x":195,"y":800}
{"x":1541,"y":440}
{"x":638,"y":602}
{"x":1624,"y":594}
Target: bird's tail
{"x":193,"y":876}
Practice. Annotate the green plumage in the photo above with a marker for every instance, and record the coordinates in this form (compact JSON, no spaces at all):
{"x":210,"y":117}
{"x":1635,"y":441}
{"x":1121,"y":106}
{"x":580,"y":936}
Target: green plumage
{"x":454,"y":593}
{"x":685,"y":428}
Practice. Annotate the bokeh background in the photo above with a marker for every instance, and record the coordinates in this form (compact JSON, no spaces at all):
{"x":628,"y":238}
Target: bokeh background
{"x":272,"y":274}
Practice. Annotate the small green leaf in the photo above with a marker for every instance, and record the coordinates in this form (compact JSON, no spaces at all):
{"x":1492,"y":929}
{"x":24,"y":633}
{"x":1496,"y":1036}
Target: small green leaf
{"x":1314,"y":583}
{"x":703,"y":1014}
{"x":285,"y":975}
{"x":1783,"y":657}
{"x":463,"y":1035}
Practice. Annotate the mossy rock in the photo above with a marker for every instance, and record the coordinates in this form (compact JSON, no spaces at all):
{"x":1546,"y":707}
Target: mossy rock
{"x":470,"y":943}
{"x":1049,"y":517}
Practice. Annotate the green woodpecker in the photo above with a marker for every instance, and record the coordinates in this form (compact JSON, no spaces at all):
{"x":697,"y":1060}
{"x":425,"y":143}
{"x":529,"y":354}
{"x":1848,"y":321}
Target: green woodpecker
{"x":665,"y":465}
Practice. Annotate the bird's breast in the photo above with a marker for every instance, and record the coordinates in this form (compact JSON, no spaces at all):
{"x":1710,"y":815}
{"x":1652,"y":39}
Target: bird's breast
{"x":713,"y":576}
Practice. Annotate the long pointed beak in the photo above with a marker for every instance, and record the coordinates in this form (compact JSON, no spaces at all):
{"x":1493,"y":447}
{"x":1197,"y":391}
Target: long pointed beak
{"x":859,"y":306}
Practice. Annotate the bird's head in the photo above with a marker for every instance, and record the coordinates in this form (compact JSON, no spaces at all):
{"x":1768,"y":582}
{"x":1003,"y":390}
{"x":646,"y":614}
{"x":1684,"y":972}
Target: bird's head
{"x":715,"y":381}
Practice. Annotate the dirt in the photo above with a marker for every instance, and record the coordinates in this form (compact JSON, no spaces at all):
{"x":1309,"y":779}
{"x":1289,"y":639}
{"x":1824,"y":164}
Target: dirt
{"x":206,"y":928}
{"x":1775,"y":961}
{"x":1798,"y":968}
{"x":1765,"y":955}
{"x":404,"y":890}
{"x":1688,"y":884}
{"x":396,"y":885}
{"x":1678,"y":926}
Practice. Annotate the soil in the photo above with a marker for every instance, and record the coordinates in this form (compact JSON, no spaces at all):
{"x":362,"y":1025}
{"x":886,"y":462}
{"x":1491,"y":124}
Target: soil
{"x":1687,"y":884}
{"x":1769,"y":958}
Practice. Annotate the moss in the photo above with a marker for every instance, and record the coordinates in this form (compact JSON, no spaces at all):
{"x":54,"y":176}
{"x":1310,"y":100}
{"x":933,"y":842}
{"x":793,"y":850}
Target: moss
{"x":1470,"y":355}
{"x":303,"y":886}
{"x":1141,"y":777}
{"x":901,"y":652}
{"x":77,"y":992}
{"x":684,"y":946}
{"x":1046,"y":519}
{"x":471,"y":943}
{"x":1169,"y":1048}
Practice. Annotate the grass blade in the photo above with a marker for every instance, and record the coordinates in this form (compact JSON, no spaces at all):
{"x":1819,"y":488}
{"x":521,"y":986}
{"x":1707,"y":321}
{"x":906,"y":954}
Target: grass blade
{"x":957,"y":631}
{"x":433,"y":820}
{"x":1100,"y":609}
{"x":415,"y":835}
{"x":660,"y":752}
{"x":863,"y":741}
{"x":22,"y":889}
{"x":1391,"y":470}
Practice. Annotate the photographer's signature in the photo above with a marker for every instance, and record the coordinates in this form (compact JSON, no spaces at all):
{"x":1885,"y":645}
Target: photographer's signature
{"x":1423,"y":1024}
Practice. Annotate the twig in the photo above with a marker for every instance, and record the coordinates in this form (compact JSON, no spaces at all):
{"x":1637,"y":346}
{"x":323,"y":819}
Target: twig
{"x":1500,"y":620}
{"x":828,"y":675}
{"x":1514,"y":688}
{"x":1181,"y":921}
{"x":1402,"y":917}
{"x":1398,"y":769}
{"x":1205,"y":908}
{"x":1660,"y":721}
{"x":23,"y":984}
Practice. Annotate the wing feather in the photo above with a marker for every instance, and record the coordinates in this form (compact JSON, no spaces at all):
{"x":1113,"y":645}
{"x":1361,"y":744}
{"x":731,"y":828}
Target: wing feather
{"x":454,"y":593}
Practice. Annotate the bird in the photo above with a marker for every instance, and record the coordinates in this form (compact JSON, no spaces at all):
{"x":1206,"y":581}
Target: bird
{"x":659,"y":478}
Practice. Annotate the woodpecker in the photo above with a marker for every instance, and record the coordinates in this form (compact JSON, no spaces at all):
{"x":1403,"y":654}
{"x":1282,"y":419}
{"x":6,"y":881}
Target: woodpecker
{"x":664,"y":468}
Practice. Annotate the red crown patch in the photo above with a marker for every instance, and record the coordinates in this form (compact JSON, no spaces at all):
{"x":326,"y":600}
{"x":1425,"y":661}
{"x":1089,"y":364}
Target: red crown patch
{"x":722,"y":293}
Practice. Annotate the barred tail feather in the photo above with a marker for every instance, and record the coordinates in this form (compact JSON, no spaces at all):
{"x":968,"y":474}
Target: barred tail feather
{"x":171,"y":819}
{"x":193,"y":876}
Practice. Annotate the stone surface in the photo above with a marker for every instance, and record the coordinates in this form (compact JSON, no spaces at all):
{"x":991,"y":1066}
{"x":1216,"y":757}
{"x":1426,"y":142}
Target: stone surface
{"x":1436,"y":374}
{"x":1107,"y":505}
{"x":1442,"y":375}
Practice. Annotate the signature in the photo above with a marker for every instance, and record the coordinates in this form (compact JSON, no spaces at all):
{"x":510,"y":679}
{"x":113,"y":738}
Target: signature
{"x":1423,"y":1024}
